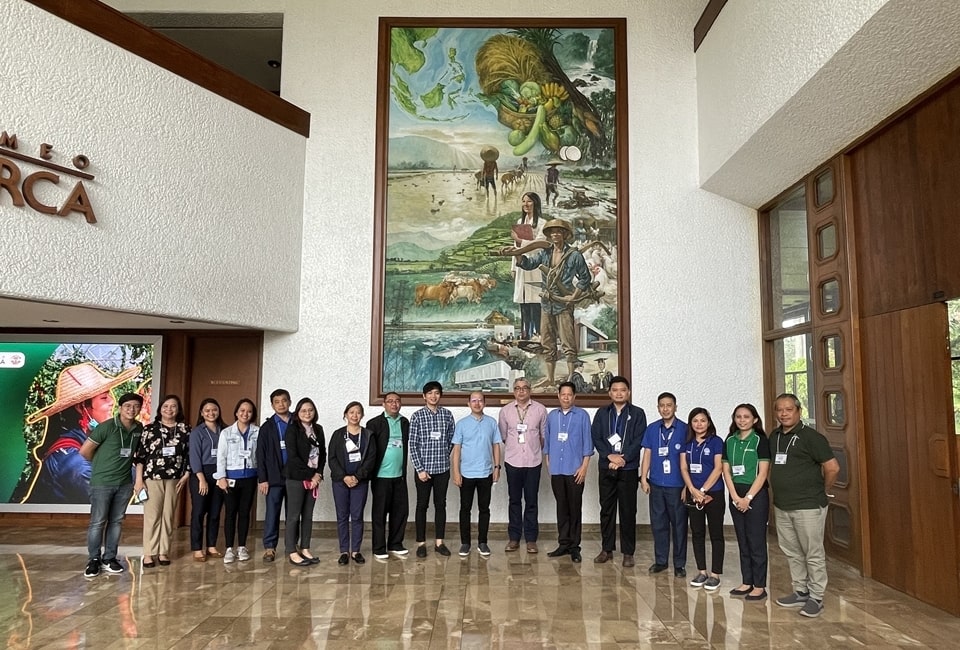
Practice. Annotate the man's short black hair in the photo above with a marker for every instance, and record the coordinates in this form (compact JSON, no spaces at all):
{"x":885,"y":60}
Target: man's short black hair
{"x":619,"y":379}
{"x":567,"y":384}
{"x":670,"y":395}
{"x":432,"y":385}
{"x":130,"y":397}
{"x":278,"y":393}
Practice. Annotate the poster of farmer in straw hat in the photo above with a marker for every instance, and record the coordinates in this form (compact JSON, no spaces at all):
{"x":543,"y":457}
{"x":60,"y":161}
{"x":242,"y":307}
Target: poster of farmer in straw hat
{"x":54,"y":394}
{"x":488,"y":132}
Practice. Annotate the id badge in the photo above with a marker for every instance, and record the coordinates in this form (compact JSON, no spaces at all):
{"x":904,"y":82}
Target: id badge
{"x":666,"y":466}
{"x":614,"y":440}
{"x":231,"y":482}
{"x":168,"y":451}
{"x":352,"y":446}
{"x":354,"y":457}
{"x":696,"y":468}
{"x":562,"y":436}
{"x":124,"y":452}
{"x":739,"y":470}
{"x":434,"y":435}
{"x":397,"y":443}
{"x":663,"y":451}
{"x":245,"y":454}
{"x":521,"y":427}
{"x":283,"y":444}
{"x":213,"y":453}
{"x":780,"y":459}
{"x":520,"y":438}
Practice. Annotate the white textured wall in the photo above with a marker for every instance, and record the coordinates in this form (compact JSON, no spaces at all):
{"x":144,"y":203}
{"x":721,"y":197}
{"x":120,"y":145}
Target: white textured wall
{"x":694,"y":269}
{"x":199,"y":201}
{"x":784,"y":86}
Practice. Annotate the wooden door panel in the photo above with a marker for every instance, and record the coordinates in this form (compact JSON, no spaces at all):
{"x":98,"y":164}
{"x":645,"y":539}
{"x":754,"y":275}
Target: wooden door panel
{"x":909,"y":439}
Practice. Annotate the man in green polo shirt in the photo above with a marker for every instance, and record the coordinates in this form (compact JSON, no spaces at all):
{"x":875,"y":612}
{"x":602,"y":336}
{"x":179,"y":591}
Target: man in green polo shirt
{"x":110,"y":448}
{"x":803,"y":472}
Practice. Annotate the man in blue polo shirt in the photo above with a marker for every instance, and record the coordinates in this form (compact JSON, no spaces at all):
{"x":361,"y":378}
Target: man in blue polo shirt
{"x":271,"y":460}
{"x":475,"y":465}
{"x":660,"y":478}
{"x":567,"y":448}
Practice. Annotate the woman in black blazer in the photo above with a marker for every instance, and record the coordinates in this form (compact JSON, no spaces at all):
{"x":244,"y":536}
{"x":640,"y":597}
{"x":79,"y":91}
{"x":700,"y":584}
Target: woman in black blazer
{"x":306,"y":456}
{"x":353,"y":462}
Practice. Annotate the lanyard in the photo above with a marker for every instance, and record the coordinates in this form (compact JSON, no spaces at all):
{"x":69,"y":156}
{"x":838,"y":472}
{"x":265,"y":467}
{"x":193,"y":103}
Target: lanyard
{"x":564,"y":429}
{"x":793,"y":441}
{"x":665,"y":441}
{"x":694,"y":446}
{"x":615,"y":422}
{"x":521,"y":415}
{"x":746,"y":447}
{"x":120,"y":426}
{"x":243,"y":436}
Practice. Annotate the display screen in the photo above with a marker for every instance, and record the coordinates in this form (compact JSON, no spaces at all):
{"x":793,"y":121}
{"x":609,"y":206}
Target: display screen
{"x":53,"y":392}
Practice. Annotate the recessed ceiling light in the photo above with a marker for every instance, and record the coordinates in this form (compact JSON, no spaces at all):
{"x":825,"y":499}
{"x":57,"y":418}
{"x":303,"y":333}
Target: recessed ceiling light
{"x":177,"y":322}
{"x":273,"y":63}
{"x":50,"y":320}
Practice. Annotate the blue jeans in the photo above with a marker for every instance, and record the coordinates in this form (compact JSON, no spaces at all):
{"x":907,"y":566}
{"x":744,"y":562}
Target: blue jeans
{"x":668,"y":519}
{"x":276,"y":494}
{"x":523,"y":485}
{"x":108,"y":505}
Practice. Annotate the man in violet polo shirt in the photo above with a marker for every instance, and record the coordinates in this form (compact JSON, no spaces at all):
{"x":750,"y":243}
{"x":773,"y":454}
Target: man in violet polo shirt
{"x":567,"y":448}
{"x":271,"y":459}
{"x":660,"y":478}
{"x":521,"y":425}
{"x":475,"y":465}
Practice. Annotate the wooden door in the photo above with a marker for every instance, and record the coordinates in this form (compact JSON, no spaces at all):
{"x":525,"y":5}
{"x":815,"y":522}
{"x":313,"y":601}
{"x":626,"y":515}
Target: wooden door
{"x":911,"y":454}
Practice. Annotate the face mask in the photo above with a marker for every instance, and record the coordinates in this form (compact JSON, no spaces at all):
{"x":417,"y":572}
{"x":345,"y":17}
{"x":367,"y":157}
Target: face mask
{"x":93,"y":423}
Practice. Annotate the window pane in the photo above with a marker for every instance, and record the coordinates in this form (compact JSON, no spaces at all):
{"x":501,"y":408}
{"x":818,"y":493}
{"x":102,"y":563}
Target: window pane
{"x":953,"y":314}
{"x":830,"y":297}
{"x":827,"y":241}
{"x":832,"y":353}
{"x":788,"y":261}
{"x":824,"y":184}
{"x":794,"y":372}
{"x":835,"y":409}
{"x":840,"y":528}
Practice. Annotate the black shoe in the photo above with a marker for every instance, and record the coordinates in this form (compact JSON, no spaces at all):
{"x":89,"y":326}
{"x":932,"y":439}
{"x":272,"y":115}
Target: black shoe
{"x":112,"y":566}
{"x":164,"y":562}
{"x":93,"y":569}
{"x":442,"y":550}
{"x":559,"y":552}
{"x":422,"y":551}
{"x":575,"y":556}
{"x":657,"y":568}
{"x":358,"y":558}
{"x":148,"y":564}
{"x":313,"y":560}
{"x":680,"y":573}
{"x":344,"y":559}
{"x":299,"y":560}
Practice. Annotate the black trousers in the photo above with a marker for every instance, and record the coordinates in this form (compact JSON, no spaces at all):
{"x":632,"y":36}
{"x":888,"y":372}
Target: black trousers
{"x":751,"y":528}
{"x":239,"y":501}
{"x":618,"y":492}
{"x":483,"y":487}
{"x":389,"y":501}
{"x":437,"y":483}
{"x":712,"y":516}
{"x":569,"y":497}
{"x":205,"y":506}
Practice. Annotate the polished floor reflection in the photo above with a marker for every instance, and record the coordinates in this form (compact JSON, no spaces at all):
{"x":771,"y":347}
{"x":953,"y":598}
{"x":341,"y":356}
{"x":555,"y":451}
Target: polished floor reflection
{"x":510,"y":600}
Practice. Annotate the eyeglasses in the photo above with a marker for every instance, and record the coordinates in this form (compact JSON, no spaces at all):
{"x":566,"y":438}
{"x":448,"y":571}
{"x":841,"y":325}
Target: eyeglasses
{"x":521,"y":388}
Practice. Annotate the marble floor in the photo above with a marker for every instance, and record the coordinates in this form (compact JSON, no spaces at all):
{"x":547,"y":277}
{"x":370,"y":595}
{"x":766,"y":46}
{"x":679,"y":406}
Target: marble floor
{"x":510,"y":600}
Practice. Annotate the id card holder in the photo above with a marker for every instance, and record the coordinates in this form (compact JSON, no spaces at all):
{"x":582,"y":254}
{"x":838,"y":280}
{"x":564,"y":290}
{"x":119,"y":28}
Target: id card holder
{"x":434,"y":435}
{"x":283,"y":444}
{"x":666,"y":466}
{"x":353,"y":457}
{"x":124,"y":452}
{"x":663,"y":451}
{"x":780,"y":459}
{"x":168,"y":451}
{"x":521,"y":428}
{"x":213,"y":452}
{"x":696,"y":468}
{"x":739,"y":470}
{"x":520,"y":438}
{"x":563,"y":436}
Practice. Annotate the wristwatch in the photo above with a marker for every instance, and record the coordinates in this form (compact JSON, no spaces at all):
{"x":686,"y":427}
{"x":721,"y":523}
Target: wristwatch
{"x":496,"y":467}
{"x":749,"y":497}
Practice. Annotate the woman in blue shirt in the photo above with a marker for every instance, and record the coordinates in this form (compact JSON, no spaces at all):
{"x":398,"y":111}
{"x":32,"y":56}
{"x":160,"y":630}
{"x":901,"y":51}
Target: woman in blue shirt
{"x":701,"y":467}
{"x":206,"y":501}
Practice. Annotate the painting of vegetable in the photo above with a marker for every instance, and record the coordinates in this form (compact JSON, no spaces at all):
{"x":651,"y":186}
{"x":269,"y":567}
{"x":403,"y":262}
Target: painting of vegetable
{"x":492,"y":136}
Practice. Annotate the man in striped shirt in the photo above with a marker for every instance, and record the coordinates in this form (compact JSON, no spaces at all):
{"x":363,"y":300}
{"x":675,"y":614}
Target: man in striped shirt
{"x":431,"y":440}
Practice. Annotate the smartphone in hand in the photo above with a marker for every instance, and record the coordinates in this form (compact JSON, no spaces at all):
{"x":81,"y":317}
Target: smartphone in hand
{"x":142,"y":495}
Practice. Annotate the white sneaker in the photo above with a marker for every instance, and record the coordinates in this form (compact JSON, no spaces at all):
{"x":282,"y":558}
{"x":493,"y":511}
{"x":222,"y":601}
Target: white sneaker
{"x":228,"y":556}
{"x":382,"y":556}
{"x":243,"y":554}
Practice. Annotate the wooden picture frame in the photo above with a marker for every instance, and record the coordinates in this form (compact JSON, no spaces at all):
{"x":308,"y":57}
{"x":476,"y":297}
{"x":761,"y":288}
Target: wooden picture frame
{"x":475,"y":116}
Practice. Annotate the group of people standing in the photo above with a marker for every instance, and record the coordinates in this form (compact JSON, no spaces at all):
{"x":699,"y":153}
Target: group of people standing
{"x":685,"y":468}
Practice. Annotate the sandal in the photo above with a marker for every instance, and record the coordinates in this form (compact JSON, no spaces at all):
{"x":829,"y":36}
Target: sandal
{"x":213,"y":552}
{"x":198,"y":556}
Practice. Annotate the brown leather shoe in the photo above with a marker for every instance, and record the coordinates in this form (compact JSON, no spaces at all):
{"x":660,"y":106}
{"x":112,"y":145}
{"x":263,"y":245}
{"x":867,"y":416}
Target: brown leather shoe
{"x":532,"y":547}
{"x":512,"y":546}
{"x":269,"y":555}
{"x":627,"y":561}
{"x":603,"y":557}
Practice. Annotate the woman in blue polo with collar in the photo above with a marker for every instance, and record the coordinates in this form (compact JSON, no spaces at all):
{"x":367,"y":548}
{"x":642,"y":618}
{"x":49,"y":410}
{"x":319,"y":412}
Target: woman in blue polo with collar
{"x":746,"y":463}
{"x":701,"y":467}
{"x":352,"y":456}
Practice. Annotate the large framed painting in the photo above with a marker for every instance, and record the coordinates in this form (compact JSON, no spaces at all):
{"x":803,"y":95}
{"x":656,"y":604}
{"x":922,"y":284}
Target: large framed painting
{"x":501,"y":246}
